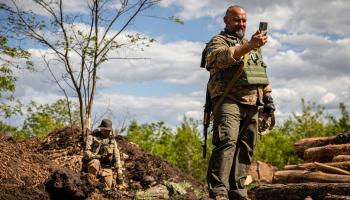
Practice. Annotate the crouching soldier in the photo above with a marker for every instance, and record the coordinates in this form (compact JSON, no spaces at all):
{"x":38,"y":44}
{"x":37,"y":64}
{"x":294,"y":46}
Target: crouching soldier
{"x":102,"y":155}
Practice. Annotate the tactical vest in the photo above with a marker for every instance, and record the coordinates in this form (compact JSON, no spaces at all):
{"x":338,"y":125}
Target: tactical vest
{"x":104,"y":148}
{"x":254,"y":73}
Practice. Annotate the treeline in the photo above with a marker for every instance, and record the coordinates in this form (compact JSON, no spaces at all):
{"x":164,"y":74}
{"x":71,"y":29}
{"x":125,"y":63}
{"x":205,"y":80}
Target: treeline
{"x":277,"y":146}
{"x":182,"y":147}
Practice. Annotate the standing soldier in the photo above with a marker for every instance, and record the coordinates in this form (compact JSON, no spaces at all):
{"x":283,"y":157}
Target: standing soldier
{"x":102,"y":155}
{"x":235,"y":112}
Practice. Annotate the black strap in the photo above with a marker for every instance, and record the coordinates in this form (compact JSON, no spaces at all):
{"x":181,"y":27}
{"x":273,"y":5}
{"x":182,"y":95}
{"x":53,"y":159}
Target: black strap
{"x":204,"y":59}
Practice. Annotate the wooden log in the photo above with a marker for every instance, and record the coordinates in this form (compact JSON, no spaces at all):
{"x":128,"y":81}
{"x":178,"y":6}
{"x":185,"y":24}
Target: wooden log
{"x":341,"y":158}
{"x":261,"y":172}
{"x":298,"y":176}
{"x":306,"y":143}
{"x":336,"y":197}
{"x":303,"y":144}
{"x":341,"y":165}
{"x":325,"y":153}
{"x":299,"y":191}
{"x":330,"y":169}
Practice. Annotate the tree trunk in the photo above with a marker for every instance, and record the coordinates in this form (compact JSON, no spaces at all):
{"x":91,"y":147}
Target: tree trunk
{"x":303,"y":144}
{"x":325,"y":153}
{"x":306,"y":143}
{"x":299,"y":176}
{"x":261,"y":172}
{"x":341,"y":158}
{"x":317,"y":191}
{"x":341,"y":165}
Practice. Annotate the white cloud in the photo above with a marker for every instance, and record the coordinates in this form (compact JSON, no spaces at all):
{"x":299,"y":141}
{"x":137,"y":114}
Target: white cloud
{"x":298,"y":15}
{"x":76,"y":6}
{"x":176,"y":62}
{"x":170,"y":108}
{"x":303,"y":63}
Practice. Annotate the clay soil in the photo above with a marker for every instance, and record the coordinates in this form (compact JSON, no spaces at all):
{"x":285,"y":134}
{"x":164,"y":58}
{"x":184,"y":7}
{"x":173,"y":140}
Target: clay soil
{"x":51,"y":168}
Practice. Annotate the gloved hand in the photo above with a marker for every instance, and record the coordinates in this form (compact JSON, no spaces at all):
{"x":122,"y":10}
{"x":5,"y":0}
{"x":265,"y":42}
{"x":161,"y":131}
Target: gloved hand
{"x":269,"y":107}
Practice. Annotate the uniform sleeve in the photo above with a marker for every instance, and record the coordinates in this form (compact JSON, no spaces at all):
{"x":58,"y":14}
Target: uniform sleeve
{"x":88,"y":154}
{"x":116,"y":153}
{"x":219,"y":54}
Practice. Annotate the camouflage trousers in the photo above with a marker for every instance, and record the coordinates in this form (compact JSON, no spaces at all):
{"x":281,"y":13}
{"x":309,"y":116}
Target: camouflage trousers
{"x":235,"y":131}
{"x":106,"y":174}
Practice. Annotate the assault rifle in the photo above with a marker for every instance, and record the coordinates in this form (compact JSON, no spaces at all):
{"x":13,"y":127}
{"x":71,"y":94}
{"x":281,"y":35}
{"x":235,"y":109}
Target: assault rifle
{"x":206,"y":121}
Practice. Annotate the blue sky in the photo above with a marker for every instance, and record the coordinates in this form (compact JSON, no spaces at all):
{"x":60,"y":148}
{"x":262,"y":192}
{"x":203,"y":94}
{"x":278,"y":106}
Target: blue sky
{"x":308,"y":56}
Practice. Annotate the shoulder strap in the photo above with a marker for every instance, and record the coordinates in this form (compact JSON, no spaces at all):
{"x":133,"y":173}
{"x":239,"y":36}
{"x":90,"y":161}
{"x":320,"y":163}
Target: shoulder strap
{"x":231,"y":84}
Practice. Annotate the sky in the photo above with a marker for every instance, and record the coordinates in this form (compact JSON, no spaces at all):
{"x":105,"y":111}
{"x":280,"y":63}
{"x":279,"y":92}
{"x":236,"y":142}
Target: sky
{"x":307,"y":54}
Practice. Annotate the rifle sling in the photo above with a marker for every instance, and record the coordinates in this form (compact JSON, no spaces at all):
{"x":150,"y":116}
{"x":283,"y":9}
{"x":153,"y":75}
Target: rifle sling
{"x":231,"y":84}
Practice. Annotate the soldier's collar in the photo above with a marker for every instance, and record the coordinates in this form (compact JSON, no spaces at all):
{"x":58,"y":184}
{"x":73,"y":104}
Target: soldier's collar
{"x":226,"y":34}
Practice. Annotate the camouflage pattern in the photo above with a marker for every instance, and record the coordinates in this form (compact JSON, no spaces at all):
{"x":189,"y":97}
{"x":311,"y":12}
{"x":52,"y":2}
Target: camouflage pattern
{"x":102,"y":154}
{"x":222,"y":65}
{"x":235,"y":126}
{"x":94,"y":168}
{"x":103,"y":149}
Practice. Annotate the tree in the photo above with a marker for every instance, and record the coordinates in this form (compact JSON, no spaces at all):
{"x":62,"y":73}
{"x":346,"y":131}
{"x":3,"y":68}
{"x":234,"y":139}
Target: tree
{"x":182,"y":148}
{"x":88,"y":37}
{"x":42,"y":119}
{"x":7,"y":78}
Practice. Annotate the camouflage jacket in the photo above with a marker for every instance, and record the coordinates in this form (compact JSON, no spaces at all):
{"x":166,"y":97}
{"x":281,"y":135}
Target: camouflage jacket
{"x":104,"y":149}
{"x":220,"y":52}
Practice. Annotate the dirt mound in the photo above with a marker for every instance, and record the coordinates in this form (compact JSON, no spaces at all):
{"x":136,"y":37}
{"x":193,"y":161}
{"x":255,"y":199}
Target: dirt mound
{"x":56,"y":160}
{"x":140,"y":164}
{"x":66,"y":184}
{"x":22,"y":172}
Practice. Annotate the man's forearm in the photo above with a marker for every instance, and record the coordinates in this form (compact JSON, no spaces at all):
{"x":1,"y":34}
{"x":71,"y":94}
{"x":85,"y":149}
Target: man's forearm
{"x":241,"y":50}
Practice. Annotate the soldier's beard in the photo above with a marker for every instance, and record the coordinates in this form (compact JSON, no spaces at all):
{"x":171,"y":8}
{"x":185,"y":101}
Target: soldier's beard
{"x":239,"y":33}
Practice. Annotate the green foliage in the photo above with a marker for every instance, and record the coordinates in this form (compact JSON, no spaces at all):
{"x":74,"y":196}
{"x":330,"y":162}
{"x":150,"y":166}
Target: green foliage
{"x":8,"y":105}
{"x":6,"y":128}
{"x":42,"y":119}
{"x":182,"y":148}
{"x":277,"y":147}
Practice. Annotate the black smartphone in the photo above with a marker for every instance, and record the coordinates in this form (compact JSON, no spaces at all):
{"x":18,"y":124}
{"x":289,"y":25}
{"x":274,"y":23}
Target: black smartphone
{"x":263,"y":27}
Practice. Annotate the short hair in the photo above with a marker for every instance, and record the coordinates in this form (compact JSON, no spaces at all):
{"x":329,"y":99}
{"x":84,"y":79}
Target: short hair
{"x":229,"y":9}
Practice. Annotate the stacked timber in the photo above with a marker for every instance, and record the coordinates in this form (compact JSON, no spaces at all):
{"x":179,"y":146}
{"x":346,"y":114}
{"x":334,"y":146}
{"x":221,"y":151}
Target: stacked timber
{"x":325,"y":173}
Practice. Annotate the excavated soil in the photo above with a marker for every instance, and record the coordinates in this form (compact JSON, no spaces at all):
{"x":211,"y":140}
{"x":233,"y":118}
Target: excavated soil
{"x":51,"y":168}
